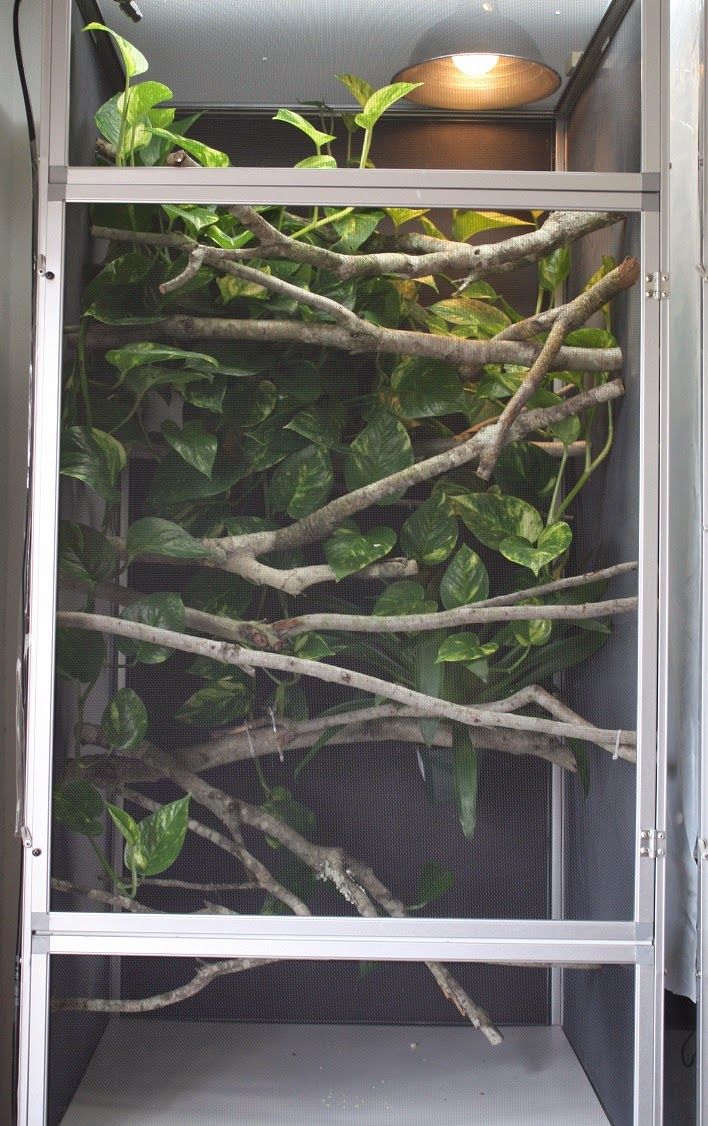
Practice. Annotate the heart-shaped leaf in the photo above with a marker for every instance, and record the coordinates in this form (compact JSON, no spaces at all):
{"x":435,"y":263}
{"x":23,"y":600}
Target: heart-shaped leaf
{"x":468,"y":223}
{"x":472,"y":318}
{"x":302,"y":482}
{"x":359,"y":87}
{"x":133,"y":61}
{"x":534,"y":632}
{"x":554,"y":269}
{"x":555,"y":539}
{"x":552,"y":542}
{"x":78,"y":806}
{"x":224,"y":701}
{"x":175,"y":481}
{"x":317,"y":137}
{"x":248,"y":405}
{"x":401,"y":215}
{"x":465,"y":580}
{"x":94,"y":457}
{"x":434,"y":881}
{"x":349,"y":550}
{"x":127,"y":269}
{"x":160,"y":838}
{"x":210,"y":158}
{"x":404,"y":597}
{"x":141,"y":98}
{"x":193,"y":443}
{"x":378,"y":102}
{"x":381,"y":449}
{"x":355,"y":229}
{"x":465,"y":647}
{"x":493,"y":517}
{"x":125,"y":720}
{"x":318,"y":426}
{"x":80,"y":654}
{"x":165,"y":611}
{"x":155,"y":536}
{"x":86,"y":554}
{"x":317,"y":160}
{"x":145,"y":352}
{"x":194,"y":216}
{"x":427,"y":389}
{"x":126,"y":825}
{"x":430,"y":534}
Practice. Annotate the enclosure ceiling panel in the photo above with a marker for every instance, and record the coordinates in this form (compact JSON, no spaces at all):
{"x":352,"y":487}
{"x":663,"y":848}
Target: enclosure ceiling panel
{"x":237,"y":52}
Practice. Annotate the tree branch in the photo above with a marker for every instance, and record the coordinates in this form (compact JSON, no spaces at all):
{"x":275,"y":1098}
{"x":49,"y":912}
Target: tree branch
{"x":272,"y":635}
{"x":449,"y":619}
{"x":327,"y":863}
{"x":438,"y":256}
{"x":96,"y":895}
{"x":357,"y":336}
{"x":206,"y":256}
{"x":203,"y":977}
{"x":249,"y":658}
{"x":229,"y":552}
{"x":566,"y":318}
{"x":380,"y":724}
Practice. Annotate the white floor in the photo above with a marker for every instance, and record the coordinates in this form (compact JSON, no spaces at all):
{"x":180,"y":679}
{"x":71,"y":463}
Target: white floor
{"x":178,"y":1073}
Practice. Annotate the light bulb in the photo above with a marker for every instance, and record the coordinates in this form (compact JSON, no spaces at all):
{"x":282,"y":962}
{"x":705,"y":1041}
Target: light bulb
{"x":475,"y":65}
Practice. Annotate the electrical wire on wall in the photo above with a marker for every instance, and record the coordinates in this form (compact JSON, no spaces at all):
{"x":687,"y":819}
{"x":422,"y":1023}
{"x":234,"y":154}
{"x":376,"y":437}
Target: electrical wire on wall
{"x":21,"y":664}
{"x":130,"y":9}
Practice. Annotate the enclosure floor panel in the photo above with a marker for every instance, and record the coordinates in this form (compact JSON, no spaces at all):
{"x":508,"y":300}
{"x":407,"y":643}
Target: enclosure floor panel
{"x":178,"y":1073}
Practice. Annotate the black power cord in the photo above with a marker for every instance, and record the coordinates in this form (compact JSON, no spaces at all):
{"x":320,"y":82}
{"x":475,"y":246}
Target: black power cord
{"x":34,"y":161}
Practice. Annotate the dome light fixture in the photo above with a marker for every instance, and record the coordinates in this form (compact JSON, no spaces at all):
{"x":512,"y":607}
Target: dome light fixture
{"x":477,"y":61}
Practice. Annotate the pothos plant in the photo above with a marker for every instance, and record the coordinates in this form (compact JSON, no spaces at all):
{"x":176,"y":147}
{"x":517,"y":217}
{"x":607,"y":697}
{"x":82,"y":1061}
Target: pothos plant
{"x":359,"y":464}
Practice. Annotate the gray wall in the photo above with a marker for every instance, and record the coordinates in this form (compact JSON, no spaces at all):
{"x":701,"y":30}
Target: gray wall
{"x":15,"y":220}
{"x":603,"y":135}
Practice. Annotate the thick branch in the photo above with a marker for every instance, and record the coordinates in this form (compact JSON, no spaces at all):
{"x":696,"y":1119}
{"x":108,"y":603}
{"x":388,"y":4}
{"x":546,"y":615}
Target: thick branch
{"x":449,"y":619}
{"x":296,"y":580}
{"x":439,"y":255}
{"x":576,"y":312}
{"x":358,"y":336}
{"x":380,"y":724}
{"x":229,"y":551}
{"x":566,"y":318}
{"x":248,"y":658}
{"x":267,"y":635}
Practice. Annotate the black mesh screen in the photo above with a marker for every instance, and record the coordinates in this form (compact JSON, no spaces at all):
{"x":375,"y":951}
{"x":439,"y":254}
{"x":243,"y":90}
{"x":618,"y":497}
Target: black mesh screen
{"x":384,"y":790}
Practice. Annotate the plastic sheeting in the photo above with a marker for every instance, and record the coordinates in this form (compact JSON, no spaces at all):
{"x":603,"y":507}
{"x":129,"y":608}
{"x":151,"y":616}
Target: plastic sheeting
{"x":683,"y":516}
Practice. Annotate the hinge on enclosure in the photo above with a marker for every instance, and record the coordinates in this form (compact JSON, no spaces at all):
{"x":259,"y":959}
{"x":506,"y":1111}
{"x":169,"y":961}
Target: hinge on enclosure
{"x":653,"y":843}
{"x":656,"y":285}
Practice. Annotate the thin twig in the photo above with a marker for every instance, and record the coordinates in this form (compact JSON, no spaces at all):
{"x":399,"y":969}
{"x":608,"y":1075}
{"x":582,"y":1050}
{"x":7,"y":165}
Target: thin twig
{"x":96,"y":895}
{"x":204,"y":976}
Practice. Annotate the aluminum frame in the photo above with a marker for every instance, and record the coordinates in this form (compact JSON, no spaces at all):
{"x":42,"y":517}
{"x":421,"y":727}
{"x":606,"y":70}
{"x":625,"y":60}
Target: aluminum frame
{"x":45,"y":932}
